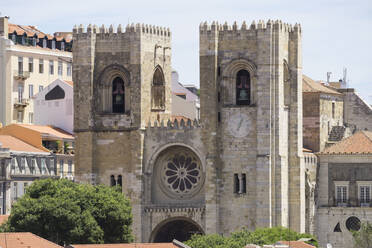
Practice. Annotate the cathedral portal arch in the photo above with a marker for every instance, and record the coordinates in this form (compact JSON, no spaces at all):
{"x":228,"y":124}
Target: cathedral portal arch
{"x":179,"y":228}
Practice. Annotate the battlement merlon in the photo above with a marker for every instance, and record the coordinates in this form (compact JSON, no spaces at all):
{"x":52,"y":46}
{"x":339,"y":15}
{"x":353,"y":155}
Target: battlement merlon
{"x":206,"y":28}
{"x":144,"y":29}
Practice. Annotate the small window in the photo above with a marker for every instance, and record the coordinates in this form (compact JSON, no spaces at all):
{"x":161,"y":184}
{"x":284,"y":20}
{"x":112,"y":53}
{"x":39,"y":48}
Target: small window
{"x":25,"y":185}
{"x":31,"y":117}
{"x":243,"y":88}
{"x":60,"y":68}
{"x":365,"y":194}
{"x":51,"y":67}
{"x":41,"y":66}
{"x":333,"y":110}
{"x":20,"y":92}
{"x":30,"y":90}
{"x":20,"y":65}
{"x":158,"y":90}
{"x":341,"y":194}
{"x":53,"y":44}
{"x":244,"y":184}
{"x":120,"y":181}
{"x":44,"y":43}
{"x":62,"y":46}
{"x":14,"y":38}
{"x":33,"y":166}
{"x":15,"y":191}
{"x":112,"y":181}
{"x":353,"y":224}
{"x":43,"y":166}
{"x":30,"y":64}
{"x":20,"y":116}
{"x":118,"y":95}
{"x":236,"y":184}
{"x":61,"y":164}
{"x":69,"y":69}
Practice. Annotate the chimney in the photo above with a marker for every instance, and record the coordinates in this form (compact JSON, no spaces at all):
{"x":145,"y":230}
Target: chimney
{"x":4,"y":26}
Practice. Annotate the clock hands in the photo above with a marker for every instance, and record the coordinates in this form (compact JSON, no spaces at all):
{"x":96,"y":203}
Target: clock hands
{"x":240,"y":124}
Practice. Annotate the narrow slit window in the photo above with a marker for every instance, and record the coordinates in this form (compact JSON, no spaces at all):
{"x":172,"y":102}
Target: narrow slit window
{"x":236,"y":184}
{"x":112,"y":180}
{"x":243,"y":88}
{"x":118,"y":96}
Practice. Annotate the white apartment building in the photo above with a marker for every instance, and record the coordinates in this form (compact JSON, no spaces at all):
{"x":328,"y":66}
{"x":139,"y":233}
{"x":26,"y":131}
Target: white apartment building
{"x":54,"y":105}
{"x":29,"y":61}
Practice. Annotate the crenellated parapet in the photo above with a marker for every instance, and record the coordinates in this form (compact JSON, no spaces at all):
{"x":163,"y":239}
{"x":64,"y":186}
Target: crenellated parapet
{"x":111,"y":31}
{"x":244,"y":28}
{"x":173,"y":124}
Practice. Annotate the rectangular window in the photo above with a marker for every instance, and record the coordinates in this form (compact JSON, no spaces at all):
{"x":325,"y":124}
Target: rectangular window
{"x":30,"y":64}
{"x":20,"y":116}
{"x":41,"y":88}
{"x":44,"y":43}
{"x":61,"y":164}
{"x":23,"y":165}
{"x":236,"y":184}
{"x":31,"y":117}
{"x":20,"y":65}
{"x":13,"y":166}
{"x":69,"y":69}
{"x":15,"y":191}
{"x":62,"y":46}
{"x":33,"y":166}
{"x":333,"y":110}
{"x":60,"y":68}
{"x":365,"y":196}
{"x":69,"y":171}
{"x":51,"y":67}
{"x":20,"y":92}
{"x":30,"y":90}
{"x":41,"y":66}
{"x":244,"y":184}
{"x":53,"y":44}
{"x":341,"y":194}
{"x":43,"y":166}
{"x":25,"y":185}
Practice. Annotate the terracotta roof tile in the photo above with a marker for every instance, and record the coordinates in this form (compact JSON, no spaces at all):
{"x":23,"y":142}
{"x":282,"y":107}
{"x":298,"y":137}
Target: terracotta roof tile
{"x":29,"y":30}
{"x":358,"y":143}
{"x":132,"y":245}
{"x":310,"y":86}
{"x":295,"y":244}
{"x":49,"y":131}
{"x":69,"y":82}
{"x":3,"y":218}
{"x":179,"y":118}
{"x":24,"y":240}
{"x":18,"y":145}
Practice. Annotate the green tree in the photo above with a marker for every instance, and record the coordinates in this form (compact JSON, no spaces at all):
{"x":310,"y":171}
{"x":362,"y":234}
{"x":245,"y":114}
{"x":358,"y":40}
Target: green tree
{"x":66,"y":212}
{"x":239,"y":239}
{"x":363,"y":237}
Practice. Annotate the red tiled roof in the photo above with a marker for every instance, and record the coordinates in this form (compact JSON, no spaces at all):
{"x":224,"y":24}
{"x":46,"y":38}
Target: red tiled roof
{"x":295,"y":244}
{"x":49,"y":130}
{"x":310,"y":86}
{"x":179,"y":118}
{"x":3,"y":218}
{"x":358,"y":143}
{"x":132,"y":245}
{"x":15,"y":144}
{"x":69,"y":82}
{"x":24,"y":240}
{"x":29,"y":30}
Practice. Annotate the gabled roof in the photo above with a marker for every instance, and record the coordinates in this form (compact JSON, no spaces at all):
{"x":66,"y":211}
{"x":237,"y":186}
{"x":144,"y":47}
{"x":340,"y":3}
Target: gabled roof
{"x":358,"y":143}
{"x":132,"y":245}
{"x":18,"y":145}
{"x":48,"y":131}
{"x":29,"y":30}
{"x":24,"y":240}
{"x":310,"y":86}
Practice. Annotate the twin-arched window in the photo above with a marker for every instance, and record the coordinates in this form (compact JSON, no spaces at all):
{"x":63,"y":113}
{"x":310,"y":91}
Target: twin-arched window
{"x":118,"y":95}
{"x":158,"y":90}
{"x":243,"y":88}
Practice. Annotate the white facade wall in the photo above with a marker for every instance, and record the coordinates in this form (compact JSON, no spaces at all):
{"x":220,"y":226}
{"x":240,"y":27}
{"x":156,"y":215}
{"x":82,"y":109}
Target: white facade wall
{"x":58,"y":113}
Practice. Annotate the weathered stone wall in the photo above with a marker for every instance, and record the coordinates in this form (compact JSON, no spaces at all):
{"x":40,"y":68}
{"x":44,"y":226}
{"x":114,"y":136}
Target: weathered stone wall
{"x":269,"y":151}
{"x":357,"y":113}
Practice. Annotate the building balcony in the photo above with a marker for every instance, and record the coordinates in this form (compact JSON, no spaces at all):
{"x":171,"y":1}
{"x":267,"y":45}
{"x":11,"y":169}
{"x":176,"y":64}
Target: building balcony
{"x":21,"y":75}
{"x":20,"y":103}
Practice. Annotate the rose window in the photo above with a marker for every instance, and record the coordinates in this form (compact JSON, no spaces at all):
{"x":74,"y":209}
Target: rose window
{"x":181,"y":173}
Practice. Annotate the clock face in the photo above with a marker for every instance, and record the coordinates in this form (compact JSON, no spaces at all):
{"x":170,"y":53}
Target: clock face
{"x":239,"y":125}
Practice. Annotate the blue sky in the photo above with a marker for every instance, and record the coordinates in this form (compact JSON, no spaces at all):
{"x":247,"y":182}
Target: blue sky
{"x":336,"y":33}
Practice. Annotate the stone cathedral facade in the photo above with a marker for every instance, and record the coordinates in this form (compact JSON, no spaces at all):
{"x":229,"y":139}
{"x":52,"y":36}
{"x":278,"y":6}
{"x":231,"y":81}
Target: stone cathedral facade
{"x":240,"y":166}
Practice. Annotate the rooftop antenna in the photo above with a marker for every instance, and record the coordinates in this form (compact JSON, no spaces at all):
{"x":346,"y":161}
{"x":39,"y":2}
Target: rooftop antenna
{"x":328,"y":76}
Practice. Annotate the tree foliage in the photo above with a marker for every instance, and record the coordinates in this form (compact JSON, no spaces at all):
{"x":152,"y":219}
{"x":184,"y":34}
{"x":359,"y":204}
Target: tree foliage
{"x":363,"y":237}
{"x":239,"y":239}
{"x":66,"y":212}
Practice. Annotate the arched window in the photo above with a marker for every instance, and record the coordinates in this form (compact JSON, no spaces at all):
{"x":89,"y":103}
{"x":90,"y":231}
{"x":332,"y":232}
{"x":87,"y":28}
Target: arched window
{"x":158,"y":90}
{"x":243,"y":88}
{"x":118,"y":93}
{"x":112,"y":180}
{"x":120,"y":181}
